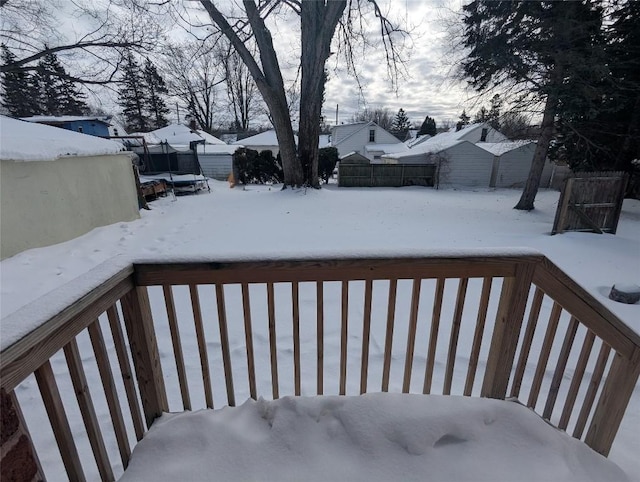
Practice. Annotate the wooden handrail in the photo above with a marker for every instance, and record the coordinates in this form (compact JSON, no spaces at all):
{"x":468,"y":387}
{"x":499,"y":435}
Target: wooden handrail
{"x":576,"y":300}
{"x":23,"y":357}
{"x":529,"y":283}
{"x":338,"y":269}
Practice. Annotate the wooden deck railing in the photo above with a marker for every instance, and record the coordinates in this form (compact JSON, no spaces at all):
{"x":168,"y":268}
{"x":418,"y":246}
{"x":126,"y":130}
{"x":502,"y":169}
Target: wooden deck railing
{"x":195,"y":333}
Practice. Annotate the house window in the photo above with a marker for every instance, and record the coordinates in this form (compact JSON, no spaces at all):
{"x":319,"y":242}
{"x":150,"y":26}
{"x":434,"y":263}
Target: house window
{"x":483,"y":136}
{"x":115,"y":132}
{"x":372,"y":135}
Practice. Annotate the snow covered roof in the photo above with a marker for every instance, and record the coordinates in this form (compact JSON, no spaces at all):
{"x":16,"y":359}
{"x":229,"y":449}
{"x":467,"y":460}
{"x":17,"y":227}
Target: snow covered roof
{"x":30,"y":141}
{"x":386,"y":148}
{"x":209,"y":139}
{"x":417,"y":140}
{"x":179,"y":134}
{"x":499,"y":148}
{"x":439,"y":142}
{"x":149,"y":137}
{"x":66,"y":118}
{"x":427,"y":148}
{"x":266,"y":138}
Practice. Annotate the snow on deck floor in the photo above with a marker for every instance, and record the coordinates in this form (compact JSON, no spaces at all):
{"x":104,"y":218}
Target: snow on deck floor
{"x":374,"y":437}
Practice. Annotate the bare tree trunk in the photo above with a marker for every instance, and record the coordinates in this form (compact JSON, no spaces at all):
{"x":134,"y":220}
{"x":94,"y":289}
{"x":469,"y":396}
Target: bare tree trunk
{"x":268,"y":80}
{"x":540,"y":155}
{"x":318,"y":23}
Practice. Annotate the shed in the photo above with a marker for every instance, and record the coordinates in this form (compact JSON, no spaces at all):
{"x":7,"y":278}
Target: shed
{"x":93,"y":126}
{"x":57,"y":184}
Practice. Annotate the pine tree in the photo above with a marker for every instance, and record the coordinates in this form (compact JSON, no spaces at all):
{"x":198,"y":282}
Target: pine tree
{"x":401,"y":124}
{"x":50,"y":85}
{"x":132,"y":97}
{"x":493,"y":116}
{"x":58,"y":95}
{"x":156,"y":89}
{"x":481,"y":115}
{"x":464,"y":120}
{"x":550,"y":52}
{"x":20,"y":95}
{"x":428,"y":127}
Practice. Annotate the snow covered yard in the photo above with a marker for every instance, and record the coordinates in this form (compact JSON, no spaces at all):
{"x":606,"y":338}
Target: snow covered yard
{"x":333,"y":222}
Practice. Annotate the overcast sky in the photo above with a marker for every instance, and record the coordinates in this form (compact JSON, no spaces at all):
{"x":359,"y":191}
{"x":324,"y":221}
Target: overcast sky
{"x":427,"y":85}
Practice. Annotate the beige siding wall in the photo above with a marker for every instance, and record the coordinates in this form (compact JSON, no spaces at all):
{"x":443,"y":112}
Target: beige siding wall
{"x":44,"y":203}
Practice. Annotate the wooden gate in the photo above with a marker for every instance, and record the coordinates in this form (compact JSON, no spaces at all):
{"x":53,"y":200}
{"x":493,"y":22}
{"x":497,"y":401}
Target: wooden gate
{"x":591,"y":202}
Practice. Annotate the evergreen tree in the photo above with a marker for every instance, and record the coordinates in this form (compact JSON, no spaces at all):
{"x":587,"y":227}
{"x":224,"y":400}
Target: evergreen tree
{"x":481,"y":116}
{"x":133,"y":97}
{"x":49,"y":85}
{"x":19,"y":92}
{"x":493,"y":116}
{"x":550,"y":52}
{"x":156,"y":90}
{"x":57,"y":94}
{"x":464,"y":120}
{"x":428,"y":127}
{"x":608,"y":137}
{"x":401,"y":124}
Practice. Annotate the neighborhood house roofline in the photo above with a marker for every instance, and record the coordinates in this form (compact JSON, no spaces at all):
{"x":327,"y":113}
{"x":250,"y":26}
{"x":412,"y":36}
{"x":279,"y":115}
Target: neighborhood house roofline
{"x":426,"y":150}
{"x":368,"y":124}
{"x":65,"y":118}
{"x":500,"y":148}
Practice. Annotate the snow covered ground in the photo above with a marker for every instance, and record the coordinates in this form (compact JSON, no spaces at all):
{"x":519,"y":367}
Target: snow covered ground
{"x":260,"y":221}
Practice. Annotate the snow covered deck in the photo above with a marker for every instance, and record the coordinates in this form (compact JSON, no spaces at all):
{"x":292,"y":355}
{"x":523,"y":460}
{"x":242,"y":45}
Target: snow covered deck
{"x":204,"y":331}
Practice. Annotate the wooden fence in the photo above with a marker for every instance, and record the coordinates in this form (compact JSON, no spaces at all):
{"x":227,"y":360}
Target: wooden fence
{"x":591,"y":201}
{"x":386,"y":175}
{"x":489,"y":326}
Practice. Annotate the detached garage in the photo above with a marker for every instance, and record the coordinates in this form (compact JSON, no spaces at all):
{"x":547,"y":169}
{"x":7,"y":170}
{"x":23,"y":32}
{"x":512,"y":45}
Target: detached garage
{"x":57,"y":184}
{"x":460,"y":163}
{"x":512,"y":162}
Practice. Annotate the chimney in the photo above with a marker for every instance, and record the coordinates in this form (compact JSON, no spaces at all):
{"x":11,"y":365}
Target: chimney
{"x":192,"y":124}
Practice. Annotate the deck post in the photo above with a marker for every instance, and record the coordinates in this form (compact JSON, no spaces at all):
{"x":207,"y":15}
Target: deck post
{"x":144,"y":351}
{"x":613,"y":401}
{"x":504,"y":341}
{"x":19,"y":460}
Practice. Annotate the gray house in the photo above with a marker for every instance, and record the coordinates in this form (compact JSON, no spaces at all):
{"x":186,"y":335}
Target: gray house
{"x":477,"y":155}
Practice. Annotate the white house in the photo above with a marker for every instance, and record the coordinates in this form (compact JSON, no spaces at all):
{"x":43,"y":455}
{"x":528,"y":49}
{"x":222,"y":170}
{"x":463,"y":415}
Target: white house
{"x":265,"y":141}
{"x":365,"y":138}
{"x":56,"y":184}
